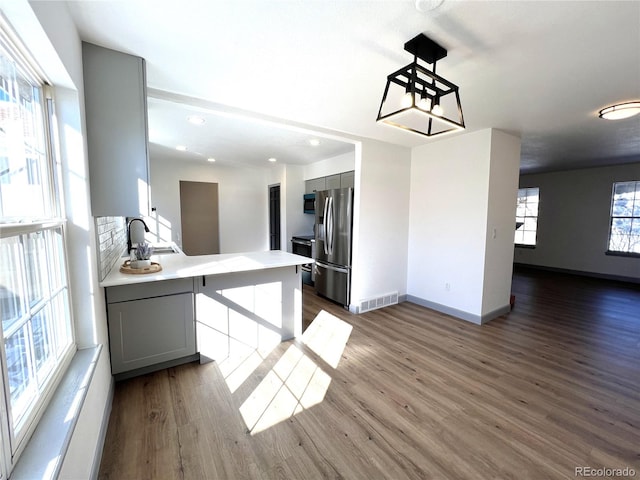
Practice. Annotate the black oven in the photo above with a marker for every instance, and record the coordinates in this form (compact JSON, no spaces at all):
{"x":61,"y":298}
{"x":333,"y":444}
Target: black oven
{"x":306,"y":247}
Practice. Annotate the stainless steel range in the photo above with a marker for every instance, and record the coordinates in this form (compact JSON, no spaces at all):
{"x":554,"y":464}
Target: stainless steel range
{"x":305,"y":245}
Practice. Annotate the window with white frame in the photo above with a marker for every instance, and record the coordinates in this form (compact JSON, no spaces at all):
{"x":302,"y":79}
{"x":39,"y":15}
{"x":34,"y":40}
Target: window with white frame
{"x":36,"y":324}
{"x":527,"y":216}
{"x":624,"y":229}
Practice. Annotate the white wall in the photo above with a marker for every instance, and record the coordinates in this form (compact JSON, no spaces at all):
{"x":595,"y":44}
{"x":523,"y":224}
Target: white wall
{"x":63,"y":65}
{"x":447,"y":232}
{"x":242,"y":197}
{"x":330,"y":166}
{"x":381,"y":221}
{"x":297,"y":222}
{"x":450,"y":242}
{"x":573,"y":221}
{"x":503,"y":189}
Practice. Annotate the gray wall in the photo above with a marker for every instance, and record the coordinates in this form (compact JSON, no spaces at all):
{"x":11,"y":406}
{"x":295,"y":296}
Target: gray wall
{"x":573,"y":222}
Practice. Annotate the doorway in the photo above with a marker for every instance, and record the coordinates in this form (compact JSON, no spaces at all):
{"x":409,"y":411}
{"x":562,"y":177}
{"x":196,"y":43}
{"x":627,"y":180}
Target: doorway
{"x":274,"y":217}
{"x":199,"y":218}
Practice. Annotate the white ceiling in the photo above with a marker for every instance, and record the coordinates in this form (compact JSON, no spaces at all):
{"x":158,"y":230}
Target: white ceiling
{"x":541,"y":70}
{"x":233,"y":139}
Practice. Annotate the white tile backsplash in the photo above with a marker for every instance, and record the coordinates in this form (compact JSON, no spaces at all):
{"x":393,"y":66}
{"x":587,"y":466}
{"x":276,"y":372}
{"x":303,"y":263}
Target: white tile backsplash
{"x":112,"y":242}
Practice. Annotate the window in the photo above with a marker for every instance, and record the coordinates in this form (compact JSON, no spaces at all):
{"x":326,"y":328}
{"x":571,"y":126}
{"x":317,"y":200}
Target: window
{"x":527,"y":216}
{"x":36,"y":327}
{"x":624,"y":231}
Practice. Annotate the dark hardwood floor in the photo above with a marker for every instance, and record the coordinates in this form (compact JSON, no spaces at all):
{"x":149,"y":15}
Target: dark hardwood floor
{"x":553,"y":386}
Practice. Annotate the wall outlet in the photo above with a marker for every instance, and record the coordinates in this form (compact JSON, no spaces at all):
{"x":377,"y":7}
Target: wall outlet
{"x":447,"y":287}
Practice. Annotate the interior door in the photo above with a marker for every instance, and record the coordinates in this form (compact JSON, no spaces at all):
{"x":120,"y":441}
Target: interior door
{"x":199,"y":218}
{"x":274,"y":217}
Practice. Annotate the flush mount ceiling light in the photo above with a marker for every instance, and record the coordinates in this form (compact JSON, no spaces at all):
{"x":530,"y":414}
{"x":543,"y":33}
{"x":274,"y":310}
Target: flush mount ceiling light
{"x":195,"y":119}
{"x":428,"y":5}
{"x":181,"y":148}
{"x":620,"y":111}
{"x":418,"y":100}
{"x":272,"y":159}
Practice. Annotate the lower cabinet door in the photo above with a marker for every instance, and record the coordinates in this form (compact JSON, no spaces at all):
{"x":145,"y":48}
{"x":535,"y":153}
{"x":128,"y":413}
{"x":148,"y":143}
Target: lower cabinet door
{"x":150,"y":331}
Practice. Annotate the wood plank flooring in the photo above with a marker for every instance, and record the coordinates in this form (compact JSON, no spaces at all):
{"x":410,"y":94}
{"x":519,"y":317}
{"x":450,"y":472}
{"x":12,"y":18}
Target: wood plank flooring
{"x":416,"y":394}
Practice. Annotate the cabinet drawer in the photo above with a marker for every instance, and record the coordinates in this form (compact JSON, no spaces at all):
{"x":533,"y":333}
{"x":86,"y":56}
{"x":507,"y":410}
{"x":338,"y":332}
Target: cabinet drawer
{"x":123,"y":293}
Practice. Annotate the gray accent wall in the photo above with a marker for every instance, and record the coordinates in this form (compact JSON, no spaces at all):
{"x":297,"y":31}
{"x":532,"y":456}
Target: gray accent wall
{"x":573,"y":222}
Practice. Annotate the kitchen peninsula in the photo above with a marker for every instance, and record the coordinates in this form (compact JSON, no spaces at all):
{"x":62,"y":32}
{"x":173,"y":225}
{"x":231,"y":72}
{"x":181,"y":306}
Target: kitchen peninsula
{"x":205,"y":307}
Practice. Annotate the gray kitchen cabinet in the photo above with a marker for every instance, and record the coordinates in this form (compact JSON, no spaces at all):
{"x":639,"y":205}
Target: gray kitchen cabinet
{"x":315,"y":185}
{"x":333,"y":181}
{"x":150,"y":325}
{"x":339,"y":180}
{"x":117,"y":134}
{"x":347,"y":179}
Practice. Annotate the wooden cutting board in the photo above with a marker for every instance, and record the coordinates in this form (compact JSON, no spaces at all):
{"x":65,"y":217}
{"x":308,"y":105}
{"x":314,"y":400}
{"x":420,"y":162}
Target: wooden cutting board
{"x":153,"y":268}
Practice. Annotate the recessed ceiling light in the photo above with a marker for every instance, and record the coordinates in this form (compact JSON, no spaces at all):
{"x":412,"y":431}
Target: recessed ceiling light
{"x":196,"y":120}
{"x":272,"y":159}
{"x":428,"y":5}
{"x":182,"y":148}
{"x":211,"y":159}
{"x":314,"y":142}
{"x":620,"y":111}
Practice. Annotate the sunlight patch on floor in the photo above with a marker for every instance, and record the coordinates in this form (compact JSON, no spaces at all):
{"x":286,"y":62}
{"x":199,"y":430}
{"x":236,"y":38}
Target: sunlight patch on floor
{"x":296,"y":382}
{"x":242,"y":361}
{"x":243,"y":326}
{"x":238,"y":368}
{"x":327,"y":336}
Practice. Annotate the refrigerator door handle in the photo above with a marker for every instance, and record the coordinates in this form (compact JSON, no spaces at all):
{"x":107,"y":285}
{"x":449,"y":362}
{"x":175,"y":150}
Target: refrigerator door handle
{"x":324,"y":226}
{"x":329,"y":223}
{"x":333,"y":229}
{"x":331,"y":267}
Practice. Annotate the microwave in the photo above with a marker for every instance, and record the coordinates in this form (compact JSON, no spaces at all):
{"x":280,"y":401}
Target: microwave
{"x":309,"y":203}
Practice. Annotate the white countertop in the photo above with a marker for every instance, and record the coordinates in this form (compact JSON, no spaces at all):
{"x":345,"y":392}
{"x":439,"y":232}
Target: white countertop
{"x":179,"y":265}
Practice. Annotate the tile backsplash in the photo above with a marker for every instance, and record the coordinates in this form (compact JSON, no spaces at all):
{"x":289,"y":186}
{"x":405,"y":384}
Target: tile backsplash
{"x":112,"y":242}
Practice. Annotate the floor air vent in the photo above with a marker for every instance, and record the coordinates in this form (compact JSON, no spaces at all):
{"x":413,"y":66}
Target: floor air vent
{"x":378,"y":302}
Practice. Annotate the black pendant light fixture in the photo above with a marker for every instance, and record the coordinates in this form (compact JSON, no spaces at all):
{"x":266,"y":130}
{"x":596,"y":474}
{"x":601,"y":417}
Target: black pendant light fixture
{"x":416,"y":99}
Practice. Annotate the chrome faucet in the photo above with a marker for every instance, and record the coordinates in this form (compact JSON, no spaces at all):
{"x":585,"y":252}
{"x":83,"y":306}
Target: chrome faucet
{"x":129,"y":242}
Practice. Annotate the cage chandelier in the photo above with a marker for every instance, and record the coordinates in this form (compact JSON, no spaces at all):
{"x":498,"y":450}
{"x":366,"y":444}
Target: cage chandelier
{"x":418,"y":100}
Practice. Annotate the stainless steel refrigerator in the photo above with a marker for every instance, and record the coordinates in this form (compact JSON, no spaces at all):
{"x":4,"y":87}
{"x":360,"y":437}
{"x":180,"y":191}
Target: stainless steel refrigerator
{"x":334,"y":226}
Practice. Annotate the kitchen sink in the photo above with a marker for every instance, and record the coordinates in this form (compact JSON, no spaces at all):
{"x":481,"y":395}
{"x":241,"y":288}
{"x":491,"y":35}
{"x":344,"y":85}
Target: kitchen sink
{"x":160,"y":250}
{"x":164,"y":250}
